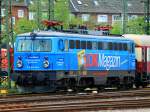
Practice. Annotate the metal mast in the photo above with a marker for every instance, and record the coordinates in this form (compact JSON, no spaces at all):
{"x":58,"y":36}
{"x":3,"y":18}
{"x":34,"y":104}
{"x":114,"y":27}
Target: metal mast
{"x":124,"y":4}
{"x":0,"y":20}
{"x":50,"y":10}
{"x":11,"y":22}
{"x":38,"y":13}
{"x":148,"y":17}
{"x":8,"y":38}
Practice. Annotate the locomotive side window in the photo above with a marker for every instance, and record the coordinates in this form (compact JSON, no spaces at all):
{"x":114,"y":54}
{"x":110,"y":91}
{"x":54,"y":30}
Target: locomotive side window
{"x":24,"y":46}
{"x":83,"y":44}
{"x":105,"y":45}
{"x":94,"y":45}
{"x":115,"y":46}
{"x":71,"y":44}
{"x":125,"y":47}
{"x":42,"y":45}
{"x":120,"y":46}
{"x":110,"y":46}
{"x":66,"y":45}
{"x":100,"y":45}
{"x":61,"y":45}
{"x":133,"y":48}
{"x":128,"y":47}
{"x":77,"y":44}
{"x":89,"y":45}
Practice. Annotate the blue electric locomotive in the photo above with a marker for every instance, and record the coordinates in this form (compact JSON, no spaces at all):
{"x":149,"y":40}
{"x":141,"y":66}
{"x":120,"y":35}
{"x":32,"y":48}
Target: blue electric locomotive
{"x":61,"y":60}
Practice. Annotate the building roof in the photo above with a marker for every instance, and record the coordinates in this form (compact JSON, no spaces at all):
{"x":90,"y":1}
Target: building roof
{"x":15,"y":3}
{"x":20,"y":4}
{"x":105,"y":6}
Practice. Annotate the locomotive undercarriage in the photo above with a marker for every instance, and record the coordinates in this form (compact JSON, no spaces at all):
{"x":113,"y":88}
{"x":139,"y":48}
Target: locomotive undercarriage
{"x":142,"y":79}
{"x":75,"y":80}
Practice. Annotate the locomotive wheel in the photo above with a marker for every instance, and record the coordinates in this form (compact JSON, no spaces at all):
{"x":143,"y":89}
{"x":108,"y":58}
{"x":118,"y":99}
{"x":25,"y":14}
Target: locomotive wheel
{"x":144,"y":85}
{"x":137,"y":86}
{"x":72,"y":83}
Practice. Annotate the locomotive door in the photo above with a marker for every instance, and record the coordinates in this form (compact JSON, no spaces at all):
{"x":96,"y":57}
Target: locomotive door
{"x":144,"y":64}
{"x":144,"y":59}
{"x":148,"y":60}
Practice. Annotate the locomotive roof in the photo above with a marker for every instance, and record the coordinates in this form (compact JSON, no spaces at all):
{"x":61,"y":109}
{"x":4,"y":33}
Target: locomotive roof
{"x":140,"y":40}
{"x":60,"y":34}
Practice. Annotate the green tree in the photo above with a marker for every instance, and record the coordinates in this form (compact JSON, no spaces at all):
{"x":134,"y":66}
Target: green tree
{"x":117,"y":28}
{"x":24,"y":25}
{"x":61,"y":11}
{"x":136,"y":26}
{"x":75,"y":20}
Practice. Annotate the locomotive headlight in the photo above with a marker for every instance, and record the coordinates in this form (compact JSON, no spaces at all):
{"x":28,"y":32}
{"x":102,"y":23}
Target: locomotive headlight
{"x":19,"y":64}
{"x":46,"y":64}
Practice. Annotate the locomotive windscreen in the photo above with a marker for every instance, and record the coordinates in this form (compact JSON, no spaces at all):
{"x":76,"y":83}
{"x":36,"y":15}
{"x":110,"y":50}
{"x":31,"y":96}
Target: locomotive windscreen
{"x":24,"y":45}
{"x":42,"y":45}
{"x":37,"y":45}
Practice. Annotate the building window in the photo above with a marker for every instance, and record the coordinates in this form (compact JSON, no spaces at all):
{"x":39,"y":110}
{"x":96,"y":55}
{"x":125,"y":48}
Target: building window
{"x":102,"y":18}
{"x":13,"y":20}
{"x":116,"y":18}
{"x":3,"y":12}
{"x":31,"y":15}
{"x":20,"y":13}
{"x":79,"y":2}
{"x":131,"y":17}
{"x":96,"y":3}
{"x":85,"y":17}
{"x":44,"y":15}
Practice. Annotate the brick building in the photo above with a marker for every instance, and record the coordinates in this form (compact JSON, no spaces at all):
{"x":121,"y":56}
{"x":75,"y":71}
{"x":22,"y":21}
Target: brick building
{"x":19,"y":10}
{"x":105,"y":11}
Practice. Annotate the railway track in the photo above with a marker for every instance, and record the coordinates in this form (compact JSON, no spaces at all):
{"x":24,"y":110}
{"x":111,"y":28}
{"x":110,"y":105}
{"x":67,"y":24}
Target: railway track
{"x":56,"y":103}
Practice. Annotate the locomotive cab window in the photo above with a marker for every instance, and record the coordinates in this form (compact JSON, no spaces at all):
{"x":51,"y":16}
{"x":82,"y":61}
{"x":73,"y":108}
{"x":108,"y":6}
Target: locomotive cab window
{"x":42,"y":45}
